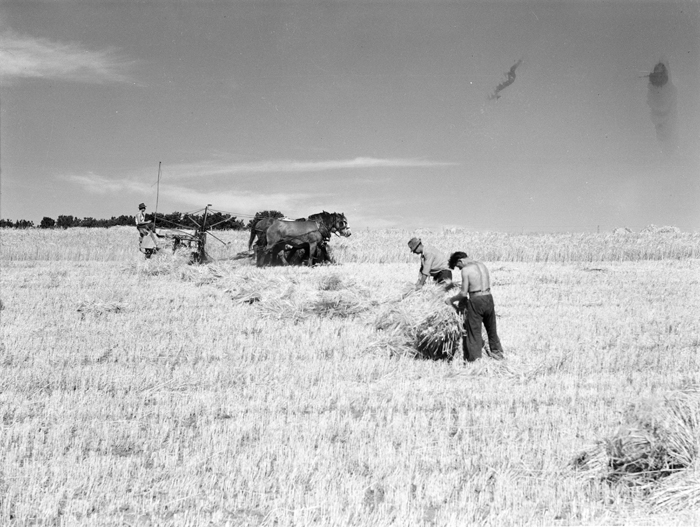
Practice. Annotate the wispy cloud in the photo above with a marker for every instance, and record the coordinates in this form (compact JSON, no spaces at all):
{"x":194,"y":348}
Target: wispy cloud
{"x":244,"y":202}
{"x":26,"y":57}
{"x":183,"y":187}
{"x":208,"y":169}
{"x":237,"y":201}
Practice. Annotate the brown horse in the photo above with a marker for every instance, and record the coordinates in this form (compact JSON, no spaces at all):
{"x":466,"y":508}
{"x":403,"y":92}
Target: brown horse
{"x":258,"y":230}
{"x":329,"y":222}
{"x":295,"y":235}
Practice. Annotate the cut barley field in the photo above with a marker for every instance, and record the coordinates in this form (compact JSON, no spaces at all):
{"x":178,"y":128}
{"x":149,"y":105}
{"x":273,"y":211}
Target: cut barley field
{"x":141,"y":392}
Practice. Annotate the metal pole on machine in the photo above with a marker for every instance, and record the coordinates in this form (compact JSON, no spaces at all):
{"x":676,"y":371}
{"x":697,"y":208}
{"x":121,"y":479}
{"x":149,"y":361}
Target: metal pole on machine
{"x":155,"y":214}
{"x":204,"y":219}
{"x":202,"y":237}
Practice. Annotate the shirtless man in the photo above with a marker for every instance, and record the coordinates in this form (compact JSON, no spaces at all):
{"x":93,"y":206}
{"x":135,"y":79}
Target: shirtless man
{"x":475,"y":296}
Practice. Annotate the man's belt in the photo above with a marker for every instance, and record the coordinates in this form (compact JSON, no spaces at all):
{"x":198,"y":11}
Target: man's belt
{"x":479,"y":292}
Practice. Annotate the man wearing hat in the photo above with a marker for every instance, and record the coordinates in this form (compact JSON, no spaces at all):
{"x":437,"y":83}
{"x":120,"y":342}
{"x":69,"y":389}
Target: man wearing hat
{"x":147,"y":240}
{"x":141,"y":216}
{"x":433,"y":263}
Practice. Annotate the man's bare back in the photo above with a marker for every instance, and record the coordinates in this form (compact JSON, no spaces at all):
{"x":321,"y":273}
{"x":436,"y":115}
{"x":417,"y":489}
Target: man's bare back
{"x":475,"y":277}
{"x":476,"y":303}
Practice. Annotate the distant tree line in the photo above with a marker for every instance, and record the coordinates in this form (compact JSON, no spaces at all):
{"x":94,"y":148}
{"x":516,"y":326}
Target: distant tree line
{"x":19,"y":224}
{"x":264,"y":214}
{"x":65,"y":222}
{"x":215,"y":221}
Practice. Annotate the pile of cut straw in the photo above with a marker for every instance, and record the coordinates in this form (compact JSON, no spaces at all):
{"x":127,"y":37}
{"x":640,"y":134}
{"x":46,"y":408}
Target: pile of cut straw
{"x":419,"y":324}
{"x":177,"y":265}
{"x":439,"y":334}
{"x":199,"y":274}
{"x":657,"y":451}
{"x":162,"y":263}
{"x":287,"y":297}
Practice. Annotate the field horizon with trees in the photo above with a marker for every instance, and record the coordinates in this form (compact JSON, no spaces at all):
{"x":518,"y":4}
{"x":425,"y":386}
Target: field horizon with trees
{"x":223,"y":221}
{"x":152,"y":392}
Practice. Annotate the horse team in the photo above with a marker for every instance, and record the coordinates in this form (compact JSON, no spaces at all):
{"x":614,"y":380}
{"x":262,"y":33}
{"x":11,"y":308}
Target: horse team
{"x":286,"y":241}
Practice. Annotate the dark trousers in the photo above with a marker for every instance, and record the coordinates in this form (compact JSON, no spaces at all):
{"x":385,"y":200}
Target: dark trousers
{"x":479,"y":310}
{"x":441,"y":276}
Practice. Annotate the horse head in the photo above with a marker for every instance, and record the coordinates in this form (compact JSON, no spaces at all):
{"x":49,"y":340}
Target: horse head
{"x":340,"y":224}
{"x":335,"y":222}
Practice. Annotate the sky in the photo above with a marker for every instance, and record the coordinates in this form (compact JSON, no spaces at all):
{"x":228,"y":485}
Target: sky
{"x":382,"y":110}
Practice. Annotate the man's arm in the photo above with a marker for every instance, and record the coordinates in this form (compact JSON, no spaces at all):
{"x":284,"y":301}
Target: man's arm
{"x":424,"y":270}
{"x":463,"y":292}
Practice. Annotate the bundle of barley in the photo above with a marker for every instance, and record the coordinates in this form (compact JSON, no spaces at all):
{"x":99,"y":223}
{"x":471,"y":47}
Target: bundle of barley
{"x":665,"y":229}
{"x":439,"y":334}
{"x":337,"y":305}
{"x":621,"y":230}
{"x":332,"y":282}
{"x":279,"y":296}
{"x":164,"y":263}
{"x":680,"y":492}
{"x":419,"y":324}
{"x":394,"y":342}
{"x":199,"y":274}
{"x":286,"y":296}
{"x":254,"y":286}
{"x":657,"y":451}
{"x":285,"y":307}
{"x":410,"y":307}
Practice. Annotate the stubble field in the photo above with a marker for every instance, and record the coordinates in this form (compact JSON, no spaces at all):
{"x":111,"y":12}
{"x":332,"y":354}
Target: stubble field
{"x":139,"y":392}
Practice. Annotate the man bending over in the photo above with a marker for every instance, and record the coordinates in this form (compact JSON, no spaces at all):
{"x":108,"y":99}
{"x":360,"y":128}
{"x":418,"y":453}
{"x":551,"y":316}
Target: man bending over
{"x":432,"y":263}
